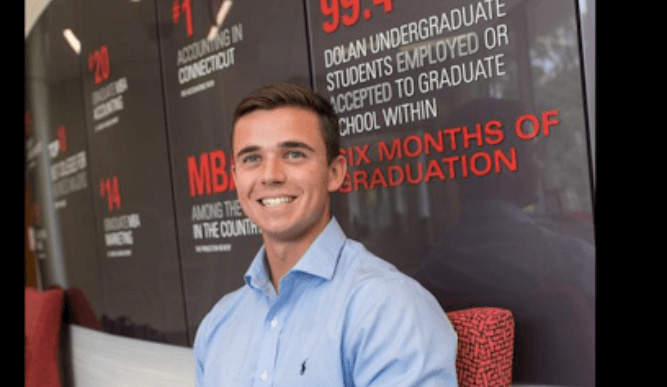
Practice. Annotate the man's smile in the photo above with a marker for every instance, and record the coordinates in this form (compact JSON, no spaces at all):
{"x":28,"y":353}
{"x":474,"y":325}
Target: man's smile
{"x":275,"y":201}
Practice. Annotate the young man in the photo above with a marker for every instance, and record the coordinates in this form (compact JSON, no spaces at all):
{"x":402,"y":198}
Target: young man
{"x":317,"y":308}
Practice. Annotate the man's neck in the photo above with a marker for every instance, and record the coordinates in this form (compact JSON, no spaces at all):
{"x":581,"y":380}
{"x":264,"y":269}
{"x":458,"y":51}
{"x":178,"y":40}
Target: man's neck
{"x":282,"y":255}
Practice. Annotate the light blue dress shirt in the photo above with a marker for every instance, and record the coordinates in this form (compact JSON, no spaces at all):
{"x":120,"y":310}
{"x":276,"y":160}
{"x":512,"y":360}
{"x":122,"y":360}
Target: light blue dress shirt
{"x":344,"y":317}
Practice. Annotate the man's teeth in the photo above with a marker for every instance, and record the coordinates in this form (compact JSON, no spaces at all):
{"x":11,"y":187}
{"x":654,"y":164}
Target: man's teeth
{"x":275,"y":201}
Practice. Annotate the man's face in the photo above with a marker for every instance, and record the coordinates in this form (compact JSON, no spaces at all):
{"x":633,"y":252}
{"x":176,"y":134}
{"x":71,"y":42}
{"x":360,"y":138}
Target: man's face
{"x":282,"y":177}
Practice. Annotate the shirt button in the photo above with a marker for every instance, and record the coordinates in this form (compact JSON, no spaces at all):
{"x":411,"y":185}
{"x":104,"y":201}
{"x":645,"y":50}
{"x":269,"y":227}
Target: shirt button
{"x":274,"y":323}
{"x":264,"y":375}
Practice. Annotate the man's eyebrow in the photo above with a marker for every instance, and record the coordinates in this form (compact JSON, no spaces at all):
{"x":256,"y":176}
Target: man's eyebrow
{"x":284,"y":145}
{"x":247,"y":149}
{"x":295,"y":144}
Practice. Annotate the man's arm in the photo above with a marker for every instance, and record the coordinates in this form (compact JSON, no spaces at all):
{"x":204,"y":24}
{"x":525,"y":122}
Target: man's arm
{"x":398,"y":335}
{"x":197,"y":352}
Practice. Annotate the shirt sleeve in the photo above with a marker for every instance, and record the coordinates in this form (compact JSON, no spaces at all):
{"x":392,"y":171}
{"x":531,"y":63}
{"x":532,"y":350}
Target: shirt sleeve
{"x":199,"y":369}
{"x":198,"y":352}
{"x":398,"y":335}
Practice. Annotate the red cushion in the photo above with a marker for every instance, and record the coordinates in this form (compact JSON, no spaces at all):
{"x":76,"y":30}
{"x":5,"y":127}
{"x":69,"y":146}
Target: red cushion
{"x":485,"y":346}
{"x":43,"y":316}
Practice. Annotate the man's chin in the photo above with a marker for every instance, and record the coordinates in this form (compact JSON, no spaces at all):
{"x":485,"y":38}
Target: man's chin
{"x":282,"y":234}
{"x":291,"y":233}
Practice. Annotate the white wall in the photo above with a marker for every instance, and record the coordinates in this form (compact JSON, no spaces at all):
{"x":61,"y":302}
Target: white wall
{"x":33,"y":8}
{"x":99,"y":359}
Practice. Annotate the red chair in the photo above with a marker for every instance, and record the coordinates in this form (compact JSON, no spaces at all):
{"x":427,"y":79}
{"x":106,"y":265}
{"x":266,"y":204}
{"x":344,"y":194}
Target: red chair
{"x":43,"y":317}
{"x":485,"y":346}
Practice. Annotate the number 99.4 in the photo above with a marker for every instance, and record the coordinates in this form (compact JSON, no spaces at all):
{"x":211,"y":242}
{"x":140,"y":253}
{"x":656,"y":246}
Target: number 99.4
{"x":348,"y":11}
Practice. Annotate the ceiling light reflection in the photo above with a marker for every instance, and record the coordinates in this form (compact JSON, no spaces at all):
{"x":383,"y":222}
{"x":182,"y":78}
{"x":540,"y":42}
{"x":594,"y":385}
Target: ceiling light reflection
{"x":72,"y":40}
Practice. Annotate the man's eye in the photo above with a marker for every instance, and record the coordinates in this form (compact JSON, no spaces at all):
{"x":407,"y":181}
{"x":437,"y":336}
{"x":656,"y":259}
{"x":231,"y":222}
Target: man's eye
{"x":250,"y":159}
{"x":294,"y":155}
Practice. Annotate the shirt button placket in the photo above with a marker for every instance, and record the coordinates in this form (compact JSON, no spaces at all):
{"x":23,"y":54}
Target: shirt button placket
{"x":269,"y":351}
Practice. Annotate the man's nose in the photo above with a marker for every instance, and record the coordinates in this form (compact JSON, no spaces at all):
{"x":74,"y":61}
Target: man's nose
{"x":273,"y":172}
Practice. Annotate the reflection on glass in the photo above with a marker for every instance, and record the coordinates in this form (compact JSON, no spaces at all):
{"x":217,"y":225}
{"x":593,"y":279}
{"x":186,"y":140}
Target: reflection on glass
{"x":523,"y":239}
{"x":496,"y":254}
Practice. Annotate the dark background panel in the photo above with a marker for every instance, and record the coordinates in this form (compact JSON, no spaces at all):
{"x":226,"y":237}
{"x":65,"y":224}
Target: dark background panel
{"x":36,"y":166}
{"x":257,"y":43}
{"x":57,"y":173}
{"x":130,"y":170}
{"x":67,"y":149}
{"x":35,"y":175}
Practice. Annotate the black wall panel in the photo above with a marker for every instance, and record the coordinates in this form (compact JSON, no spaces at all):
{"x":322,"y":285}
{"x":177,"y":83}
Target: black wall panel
{"x":62,"y":195}
{"x":129,"y":166}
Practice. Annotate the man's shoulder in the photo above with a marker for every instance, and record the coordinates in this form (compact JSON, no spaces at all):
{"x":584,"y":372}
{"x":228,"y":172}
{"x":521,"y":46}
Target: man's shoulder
{"x":230,"y":298}
{"x":357,"y":258}
{"x":221,"y":310}
{"x":381,"y":296}
{"x":374,"y":276}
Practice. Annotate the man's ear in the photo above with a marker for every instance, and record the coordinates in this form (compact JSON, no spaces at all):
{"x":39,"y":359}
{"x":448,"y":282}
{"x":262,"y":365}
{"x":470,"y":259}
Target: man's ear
{"x":337,"y":170}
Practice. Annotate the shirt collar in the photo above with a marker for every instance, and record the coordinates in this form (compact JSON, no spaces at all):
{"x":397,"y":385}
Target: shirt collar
{"x":257,"y":276}
{"x":319,"y":260}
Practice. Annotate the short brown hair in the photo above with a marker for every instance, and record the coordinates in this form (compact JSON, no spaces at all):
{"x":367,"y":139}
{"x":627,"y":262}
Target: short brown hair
{"x":287,"y":94}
